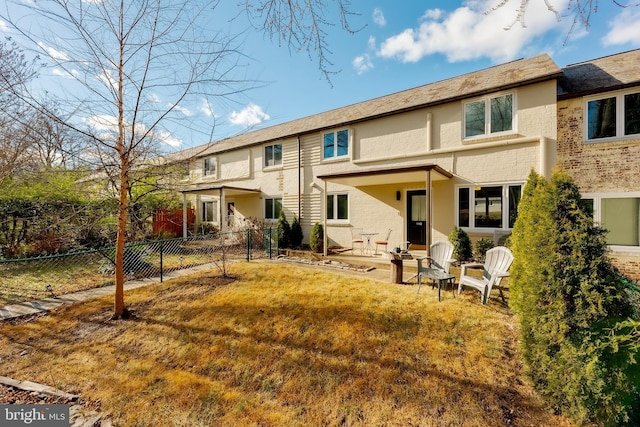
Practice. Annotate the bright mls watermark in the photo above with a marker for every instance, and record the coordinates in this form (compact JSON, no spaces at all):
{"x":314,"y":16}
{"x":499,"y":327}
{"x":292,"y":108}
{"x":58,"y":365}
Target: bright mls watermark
{"x":34,"y":415}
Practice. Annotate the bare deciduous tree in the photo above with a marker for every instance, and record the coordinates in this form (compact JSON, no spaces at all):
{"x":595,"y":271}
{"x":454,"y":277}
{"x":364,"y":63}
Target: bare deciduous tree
{"x":301,"y":25}
{"x":128,"y":55}
{"x":15,"y":73}
{"x":580,"y":11}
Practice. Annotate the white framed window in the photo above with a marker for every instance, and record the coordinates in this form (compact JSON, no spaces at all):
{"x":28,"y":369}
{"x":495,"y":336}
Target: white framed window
{"x":272,"y":208}
{"x":335,"y":144}
{"x":615,"y":115}
{"x":209,"y":167}
{"x":338,"y":207}
{"x":490,"y":115}
{"x":209,"y":211}
{"x":619,"y":214}
{"x":492,"y":206}
{"x":273,"y":155}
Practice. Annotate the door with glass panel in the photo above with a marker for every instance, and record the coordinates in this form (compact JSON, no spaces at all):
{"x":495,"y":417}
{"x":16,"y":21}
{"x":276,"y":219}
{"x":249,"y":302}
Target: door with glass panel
{"x":417,"y":219}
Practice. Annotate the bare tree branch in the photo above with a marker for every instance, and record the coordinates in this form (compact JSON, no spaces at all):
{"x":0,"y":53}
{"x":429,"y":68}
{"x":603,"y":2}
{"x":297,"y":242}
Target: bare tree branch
{"x":580,"y":11}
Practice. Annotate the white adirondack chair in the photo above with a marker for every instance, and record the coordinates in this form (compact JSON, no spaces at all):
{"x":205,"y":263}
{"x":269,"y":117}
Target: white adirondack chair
{"x":495,"y":267}
{"x":440,"y":258}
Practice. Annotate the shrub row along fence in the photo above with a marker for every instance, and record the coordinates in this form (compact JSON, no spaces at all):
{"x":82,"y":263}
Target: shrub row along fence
{"x":35,"y":278}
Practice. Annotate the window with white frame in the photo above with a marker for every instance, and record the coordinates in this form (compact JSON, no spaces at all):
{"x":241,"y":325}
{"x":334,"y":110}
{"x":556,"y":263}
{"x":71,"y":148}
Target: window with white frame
{"x":489,"y":206}
{"x":335,"y":144}
{"x":489,"y":116}
{"x":209,"y":211}
{"x":273,"y":155}
{"x":338,"y":207}
{"x":272,"y":207}
{"x":619,"y":214}
{"x":209,"y":166}
{"x":613,"y":116}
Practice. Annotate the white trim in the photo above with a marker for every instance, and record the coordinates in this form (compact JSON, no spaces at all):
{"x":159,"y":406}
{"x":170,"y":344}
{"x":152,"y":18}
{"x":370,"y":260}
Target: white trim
{"x":336,"y":221}
{"x":201,"y":209}
{"x":264,"y":207}
{"x":619,"y":96}
{"x":214,"y":175}
{"x":505,"y":205}
{"x":336,"y":157}
{"x":487,"y":117}
{"x":266,"y":167}
{"x":597,"y":214}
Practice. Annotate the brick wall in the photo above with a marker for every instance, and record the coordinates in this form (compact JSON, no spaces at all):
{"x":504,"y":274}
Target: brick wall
{"x":598,"y":167}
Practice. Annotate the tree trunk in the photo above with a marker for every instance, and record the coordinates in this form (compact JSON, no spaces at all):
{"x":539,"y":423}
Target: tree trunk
{"x":118,"y":305}
{"x":118,"y":308}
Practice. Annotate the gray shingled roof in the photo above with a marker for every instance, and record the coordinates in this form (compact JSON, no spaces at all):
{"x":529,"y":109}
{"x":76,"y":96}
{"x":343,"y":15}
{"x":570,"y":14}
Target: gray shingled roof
{"x":600,"y":75}
{"x":504,"y":76}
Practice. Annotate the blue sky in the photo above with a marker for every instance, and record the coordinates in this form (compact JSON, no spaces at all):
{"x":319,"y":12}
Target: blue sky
{"x":397,"y":48}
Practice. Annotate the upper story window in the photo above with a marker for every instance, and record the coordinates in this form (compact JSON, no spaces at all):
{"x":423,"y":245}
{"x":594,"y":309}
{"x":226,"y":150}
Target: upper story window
{"x":613,"y":116}
{"x":272,"y":207}
{"x":489,"y":115}
{"x":335,"y":144}
{"x":209,"y":167}
{"x":494,"y":206}
{"x":273,"y":155}
{"x":337,"y":207}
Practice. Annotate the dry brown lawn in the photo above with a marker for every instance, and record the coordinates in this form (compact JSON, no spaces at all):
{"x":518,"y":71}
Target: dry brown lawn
{"x":283,"y":345}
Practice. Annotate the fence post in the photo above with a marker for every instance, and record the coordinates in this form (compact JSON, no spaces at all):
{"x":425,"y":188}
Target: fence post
{"x":248,"y":244}
{"x":161,"y":267}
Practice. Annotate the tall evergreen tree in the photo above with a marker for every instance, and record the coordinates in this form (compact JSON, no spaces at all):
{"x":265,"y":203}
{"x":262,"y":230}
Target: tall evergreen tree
{"x":569,"y":297}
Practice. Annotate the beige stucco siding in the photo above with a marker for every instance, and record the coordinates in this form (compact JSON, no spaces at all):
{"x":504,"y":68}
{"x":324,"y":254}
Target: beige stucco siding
{"x":390,"y":136}
{"x":499,"y":164}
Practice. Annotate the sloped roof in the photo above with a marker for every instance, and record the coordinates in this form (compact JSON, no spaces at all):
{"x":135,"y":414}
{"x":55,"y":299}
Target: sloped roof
{"x":504,"y":76}
{"x":600,"y":75}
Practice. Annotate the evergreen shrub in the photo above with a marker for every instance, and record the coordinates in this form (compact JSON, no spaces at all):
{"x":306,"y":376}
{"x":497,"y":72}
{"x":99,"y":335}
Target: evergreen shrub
{"x":296,"y":233}
{"x":461,"y":244}
{"x":481,"y":247}
{"x":284,"y":231}
{"x":316,"y":240}
{"x":571,"y":301}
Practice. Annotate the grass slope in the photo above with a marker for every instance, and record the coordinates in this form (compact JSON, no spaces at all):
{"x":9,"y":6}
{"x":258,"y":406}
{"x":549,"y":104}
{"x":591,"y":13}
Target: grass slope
{"x":283,"y":345}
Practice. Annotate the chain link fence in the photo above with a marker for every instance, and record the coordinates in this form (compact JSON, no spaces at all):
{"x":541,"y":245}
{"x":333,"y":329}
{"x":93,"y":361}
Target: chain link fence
{"x":35,"y":278}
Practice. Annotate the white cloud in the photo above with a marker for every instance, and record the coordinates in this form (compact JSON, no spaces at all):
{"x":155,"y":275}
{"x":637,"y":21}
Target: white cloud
{"x":432,"y":14}
{"x":362,"y":63}
{"x":56,"y":55}
{"x":206,"y":108}
{"x":378,"y":17}
{"x":65,"y":74}
{"x":251,"y":115}
{"x":154,"y":98}
{"x":3,"y":27}
{"x":102,"y":122}
{"x":469,"y":33}
{"x":371,"y":44}
{"x":108,"y":79}
{"x":168,"y":139}
{"x":182,"y":110}
{"x":624,"y":28}
{"x":107,"y":126}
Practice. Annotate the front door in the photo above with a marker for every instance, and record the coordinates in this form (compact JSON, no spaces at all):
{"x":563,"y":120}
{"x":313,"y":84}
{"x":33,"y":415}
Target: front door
{"x":417,"y":219}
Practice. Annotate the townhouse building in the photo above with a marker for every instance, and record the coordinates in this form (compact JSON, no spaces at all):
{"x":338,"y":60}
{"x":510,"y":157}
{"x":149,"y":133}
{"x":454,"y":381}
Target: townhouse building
{"x":454,"y":153}
{"x":599,"y":145}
